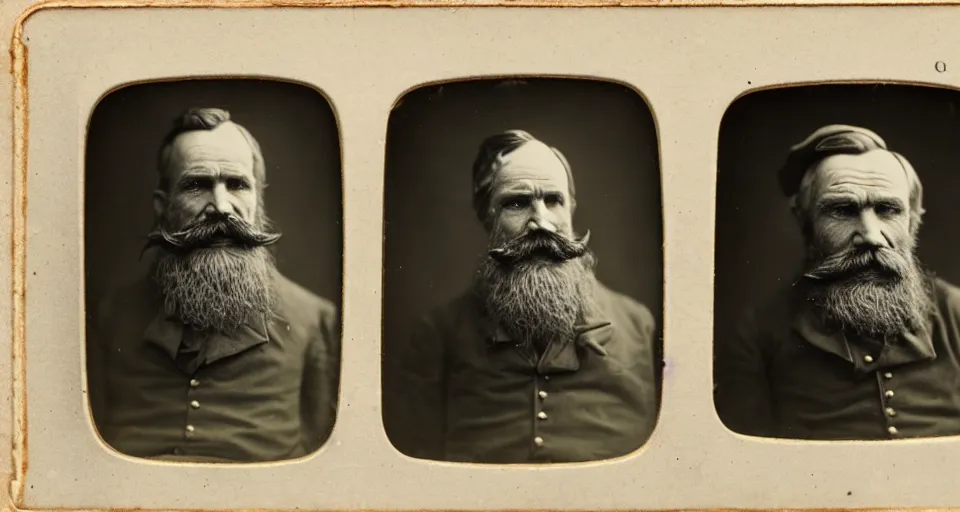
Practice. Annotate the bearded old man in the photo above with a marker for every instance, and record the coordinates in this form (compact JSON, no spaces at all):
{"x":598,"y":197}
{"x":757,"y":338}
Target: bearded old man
{"x":215,"y":356}
{"x":865,"y":345}
{"x":538,"y":362}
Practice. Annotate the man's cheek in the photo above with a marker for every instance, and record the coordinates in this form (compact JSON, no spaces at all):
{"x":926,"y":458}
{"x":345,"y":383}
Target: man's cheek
{"x":508,"y":225}
{"x":900,"y":235}
{"x":183,"y":210}
{"x":833,"y":235}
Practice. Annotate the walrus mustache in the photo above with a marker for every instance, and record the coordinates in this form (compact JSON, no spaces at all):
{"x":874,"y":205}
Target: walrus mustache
{"x":221,"y":230}
{"x":540,"y":242}
{"x":854,"y":261}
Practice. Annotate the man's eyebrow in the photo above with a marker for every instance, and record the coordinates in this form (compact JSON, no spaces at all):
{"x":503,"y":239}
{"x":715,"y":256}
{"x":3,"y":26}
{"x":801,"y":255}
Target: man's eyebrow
{"x":209,"y":173}
{"x":838,"y":199}
{"x":513,"y":190}
{"x":230,"y":174}
{"x":194,"y":174}
{"x":198,"y":170}
{"x":843,"y":199}
{"x":526,"y":189}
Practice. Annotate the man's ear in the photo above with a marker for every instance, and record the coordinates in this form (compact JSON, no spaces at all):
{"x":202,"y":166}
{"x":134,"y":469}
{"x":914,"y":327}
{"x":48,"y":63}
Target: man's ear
{"x":795,"y":210}
{"x":916,"y":220}
{"x":159,"y":204}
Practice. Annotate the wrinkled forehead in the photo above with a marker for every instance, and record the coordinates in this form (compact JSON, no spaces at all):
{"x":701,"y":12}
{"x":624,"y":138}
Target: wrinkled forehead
{"x":533,"y":162}
{"x":223,"y":145}
{"x":873,"y":172}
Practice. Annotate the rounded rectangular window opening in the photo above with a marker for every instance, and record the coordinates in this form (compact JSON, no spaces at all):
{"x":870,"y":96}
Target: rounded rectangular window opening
{"x":213,"y":248}
{"x":522,"y":314}
{"x":836,"y":301}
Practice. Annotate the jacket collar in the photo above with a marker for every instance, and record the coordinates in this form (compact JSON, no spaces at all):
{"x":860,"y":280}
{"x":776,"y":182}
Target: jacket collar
{"x":592,"y":331}
{"x":167,"y":332}
{"x":910,"y":347}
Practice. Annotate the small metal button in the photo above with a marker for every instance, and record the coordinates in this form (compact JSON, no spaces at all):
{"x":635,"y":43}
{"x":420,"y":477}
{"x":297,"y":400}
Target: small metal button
{"x":542,"y":415}
{"x":888,"y":375}
{"x":868,"y":359}
{"x":893,"y":430}
{"x":190,"y":428}
{"x":889,"y":393}
{"x":195,"y":404}
{"x":194,"y":383}
{"x":891,"y":412}
{"x":538,"y":441}
{"x":542,"y":394}
{"x":546,"y":377}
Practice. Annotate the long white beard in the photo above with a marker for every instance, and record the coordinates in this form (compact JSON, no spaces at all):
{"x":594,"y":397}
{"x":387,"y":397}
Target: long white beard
{"x":535,"y":301}
{"x":217,"y":289}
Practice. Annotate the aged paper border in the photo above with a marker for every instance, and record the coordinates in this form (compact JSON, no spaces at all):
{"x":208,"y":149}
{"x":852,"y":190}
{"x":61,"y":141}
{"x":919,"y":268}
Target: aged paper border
{"x":14,"y":13}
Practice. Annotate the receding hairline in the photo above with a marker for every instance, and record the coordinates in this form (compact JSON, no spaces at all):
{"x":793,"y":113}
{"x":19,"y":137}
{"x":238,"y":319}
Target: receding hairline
{"x":509,"y":160}
{"x":891,"y":171}
{"x":170,"y":142}
{"x":810,"y":193}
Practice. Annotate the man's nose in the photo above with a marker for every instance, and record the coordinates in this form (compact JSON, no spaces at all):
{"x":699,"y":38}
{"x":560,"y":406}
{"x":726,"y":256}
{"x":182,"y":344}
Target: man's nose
{"x":220,"y":201}
{"x":870,"y":232}
{"x":540,"y":219}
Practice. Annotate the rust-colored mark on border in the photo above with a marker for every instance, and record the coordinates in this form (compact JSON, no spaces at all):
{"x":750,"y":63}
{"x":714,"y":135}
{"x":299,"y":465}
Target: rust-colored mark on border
{"x":18,"y":54}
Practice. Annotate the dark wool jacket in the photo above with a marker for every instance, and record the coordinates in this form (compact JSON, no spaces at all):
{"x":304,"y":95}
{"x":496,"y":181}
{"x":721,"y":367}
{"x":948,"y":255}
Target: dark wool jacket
{"x":267,"y":393}
{"x":465,"y":393}
{"x":783,"y":376}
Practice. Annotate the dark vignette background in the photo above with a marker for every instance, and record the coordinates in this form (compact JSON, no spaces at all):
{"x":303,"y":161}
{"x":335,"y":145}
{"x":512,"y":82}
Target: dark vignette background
{"x":432,"y":237}
{"x":298,"y":134}
{"x":758,"y":246}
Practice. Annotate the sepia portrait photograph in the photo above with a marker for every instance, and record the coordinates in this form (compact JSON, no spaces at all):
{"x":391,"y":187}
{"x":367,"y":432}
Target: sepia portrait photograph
{"x":299,"y":255}
{"x":837,"y":306}
{"x":213,"y":261}
{"x":522,"y":272}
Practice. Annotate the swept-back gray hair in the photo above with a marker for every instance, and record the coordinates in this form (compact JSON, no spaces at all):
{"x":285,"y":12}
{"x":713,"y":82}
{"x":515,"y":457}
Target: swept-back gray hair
{"x":796,"y":178}
{"x":205,"y":119}
{"x":493,"y":148}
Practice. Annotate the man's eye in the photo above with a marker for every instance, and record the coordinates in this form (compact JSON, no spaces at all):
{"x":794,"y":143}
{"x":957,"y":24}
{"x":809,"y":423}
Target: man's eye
{"x":553,"y":200}
{"x":516,"y":203}
{"x":236,"y":184}
{"x":192,"y":186}
{"x":886,"y":210}
{"x":844,"y":210}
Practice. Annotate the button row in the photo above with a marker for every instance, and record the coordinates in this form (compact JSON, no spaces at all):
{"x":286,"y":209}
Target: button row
{"x":190,"y":429}
{"x":890,"y":411}
{"x":541,"y":415}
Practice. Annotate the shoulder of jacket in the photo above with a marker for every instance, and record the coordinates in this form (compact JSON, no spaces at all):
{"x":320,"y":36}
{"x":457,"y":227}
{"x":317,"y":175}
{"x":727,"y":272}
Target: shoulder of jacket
{"x":614,"y":301}
{"x":770,"y":319}
{"x":295,"y":294}
{"x":301,"y":305}
{"x":948,"y":294}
